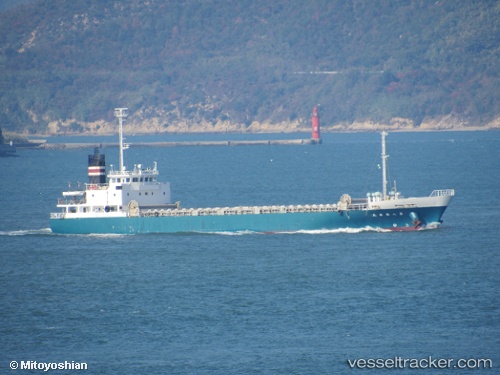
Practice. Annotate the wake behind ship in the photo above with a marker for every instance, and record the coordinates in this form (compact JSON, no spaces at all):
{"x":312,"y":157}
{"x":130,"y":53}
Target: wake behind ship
{"x":134,"y":201}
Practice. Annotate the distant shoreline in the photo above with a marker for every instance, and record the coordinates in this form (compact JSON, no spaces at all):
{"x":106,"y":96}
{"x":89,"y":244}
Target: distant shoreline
{"x":305,"y":131}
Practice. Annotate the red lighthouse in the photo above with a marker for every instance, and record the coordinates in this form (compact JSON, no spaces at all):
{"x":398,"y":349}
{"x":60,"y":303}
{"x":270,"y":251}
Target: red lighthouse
{"x":315,"y":126}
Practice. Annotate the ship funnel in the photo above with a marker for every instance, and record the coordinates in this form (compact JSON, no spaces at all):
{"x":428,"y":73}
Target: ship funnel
{"x":97,"y":167}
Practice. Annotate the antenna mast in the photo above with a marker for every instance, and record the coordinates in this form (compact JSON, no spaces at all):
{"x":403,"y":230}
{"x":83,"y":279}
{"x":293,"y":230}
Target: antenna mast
{"x":384,"y":167}
{"x":120,"y":114}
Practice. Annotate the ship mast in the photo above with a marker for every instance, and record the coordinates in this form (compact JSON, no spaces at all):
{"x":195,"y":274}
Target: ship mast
{"x":120,"y":114}
{"x":384,"y":167}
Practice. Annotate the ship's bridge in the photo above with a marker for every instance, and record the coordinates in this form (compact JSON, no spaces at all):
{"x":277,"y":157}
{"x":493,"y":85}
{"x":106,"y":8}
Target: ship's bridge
{"x":138,"y":174}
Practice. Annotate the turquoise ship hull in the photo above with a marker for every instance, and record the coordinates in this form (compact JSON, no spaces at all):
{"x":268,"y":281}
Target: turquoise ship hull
{"x":394,"y":219}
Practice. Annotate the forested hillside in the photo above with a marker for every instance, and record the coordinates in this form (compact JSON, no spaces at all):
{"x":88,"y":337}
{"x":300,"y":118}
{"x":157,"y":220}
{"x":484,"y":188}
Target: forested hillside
{"x":228,"y":64}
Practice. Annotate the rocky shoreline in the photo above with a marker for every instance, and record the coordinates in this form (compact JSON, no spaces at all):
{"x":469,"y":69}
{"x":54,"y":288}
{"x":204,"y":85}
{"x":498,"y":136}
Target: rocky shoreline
{"x":156,"y":126}
{"x":138,"y":126}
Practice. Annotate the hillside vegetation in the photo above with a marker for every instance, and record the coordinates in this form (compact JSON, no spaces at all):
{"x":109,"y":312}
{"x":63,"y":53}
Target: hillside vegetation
{"x":247,"y":64}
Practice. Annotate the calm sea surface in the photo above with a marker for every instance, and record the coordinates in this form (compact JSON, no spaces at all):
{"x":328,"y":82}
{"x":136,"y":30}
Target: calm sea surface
{"x":252,"y":303}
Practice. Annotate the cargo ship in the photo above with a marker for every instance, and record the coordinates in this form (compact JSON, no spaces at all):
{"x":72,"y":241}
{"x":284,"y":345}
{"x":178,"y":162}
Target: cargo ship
{"x":135,"y":202}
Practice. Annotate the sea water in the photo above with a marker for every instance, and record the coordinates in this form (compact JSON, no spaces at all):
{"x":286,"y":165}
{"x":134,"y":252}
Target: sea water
{"x":244,"y":303}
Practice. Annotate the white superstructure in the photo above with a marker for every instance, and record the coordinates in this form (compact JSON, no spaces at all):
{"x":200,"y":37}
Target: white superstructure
{"x":121,"y":194}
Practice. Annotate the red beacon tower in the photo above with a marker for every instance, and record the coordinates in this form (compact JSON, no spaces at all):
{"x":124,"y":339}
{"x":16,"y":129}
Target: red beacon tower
{"x":315,"y":137}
